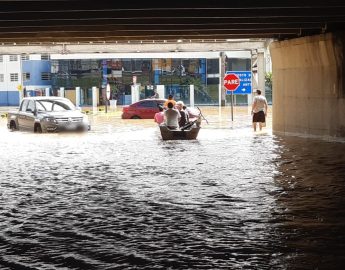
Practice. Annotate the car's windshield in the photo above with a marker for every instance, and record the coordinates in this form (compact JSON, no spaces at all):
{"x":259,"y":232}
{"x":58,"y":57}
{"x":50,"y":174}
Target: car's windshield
{"x":54,"y":105}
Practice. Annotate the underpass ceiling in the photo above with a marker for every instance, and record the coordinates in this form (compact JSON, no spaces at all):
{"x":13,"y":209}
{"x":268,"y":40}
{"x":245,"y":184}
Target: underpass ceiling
{"x":165,"y":21}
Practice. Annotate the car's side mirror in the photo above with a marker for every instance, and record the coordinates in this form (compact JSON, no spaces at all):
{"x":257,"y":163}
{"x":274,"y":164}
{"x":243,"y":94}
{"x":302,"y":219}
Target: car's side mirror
{"x":29,"y":110}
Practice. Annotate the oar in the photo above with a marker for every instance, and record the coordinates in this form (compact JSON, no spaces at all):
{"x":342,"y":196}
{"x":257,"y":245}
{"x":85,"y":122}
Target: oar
{"x":203,"y":117}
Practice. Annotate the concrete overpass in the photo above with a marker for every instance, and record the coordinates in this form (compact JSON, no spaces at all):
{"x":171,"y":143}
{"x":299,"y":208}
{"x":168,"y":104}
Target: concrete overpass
{"x":307,"y":54}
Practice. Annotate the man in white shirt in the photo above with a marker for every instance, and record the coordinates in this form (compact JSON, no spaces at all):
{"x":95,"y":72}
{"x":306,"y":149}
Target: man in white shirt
{"x":259,"y":110}
{"x":171,"y":116}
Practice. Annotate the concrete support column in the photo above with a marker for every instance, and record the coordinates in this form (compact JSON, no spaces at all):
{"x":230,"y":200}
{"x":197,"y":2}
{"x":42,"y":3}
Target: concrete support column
{"x":308,"y":85}
{"x":62,"y":92}
{"x":94,"y":98}
{"x":222,"y":58}
{"x":161,"y":90}
{"x":77,"y":96}
{"x":135,"y":93}
{"x":191,"y":95}
{"x":261,"y":71}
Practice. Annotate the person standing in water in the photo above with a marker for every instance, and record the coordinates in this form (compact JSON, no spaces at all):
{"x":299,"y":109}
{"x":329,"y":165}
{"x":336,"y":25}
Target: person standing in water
{"x":259,"y":110}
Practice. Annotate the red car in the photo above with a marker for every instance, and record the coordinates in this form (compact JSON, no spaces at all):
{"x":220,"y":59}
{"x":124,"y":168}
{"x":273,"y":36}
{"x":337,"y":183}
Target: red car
{"x":143,"y":109}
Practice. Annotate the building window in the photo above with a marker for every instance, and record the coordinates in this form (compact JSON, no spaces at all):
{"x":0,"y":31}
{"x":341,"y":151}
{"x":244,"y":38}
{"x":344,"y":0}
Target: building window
{"x":45,"y":76}
{"x":45,"y":57}
{"x":13,"y":58}
{"x":212,"y":66}
{"x":1,"y":58}
{"x":1,"y":77}
{"x":25,"y":57}
{"x":14,"y":77}
{"x":26,"y":76}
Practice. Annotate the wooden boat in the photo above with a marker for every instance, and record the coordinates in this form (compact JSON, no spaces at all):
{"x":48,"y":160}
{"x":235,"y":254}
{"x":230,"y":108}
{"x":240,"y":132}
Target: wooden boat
{"x":179,"y":134}
{"x":188,"y":132}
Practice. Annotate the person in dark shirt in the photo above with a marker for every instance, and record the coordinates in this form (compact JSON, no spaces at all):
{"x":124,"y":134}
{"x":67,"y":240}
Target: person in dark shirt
{"x":186,"y":112}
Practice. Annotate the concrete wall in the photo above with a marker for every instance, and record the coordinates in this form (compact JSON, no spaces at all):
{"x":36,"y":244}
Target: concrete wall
{"x":308,"y":85}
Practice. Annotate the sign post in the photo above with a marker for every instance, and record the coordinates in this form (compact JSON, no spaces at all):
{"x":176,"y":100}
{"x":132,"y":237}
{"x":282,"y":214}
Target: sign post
{"x":237,"y":83}
{"x":231,"y":83}
{"x":21,"y":92}
{"x":245,"y":83}
{"x":107,"y":97}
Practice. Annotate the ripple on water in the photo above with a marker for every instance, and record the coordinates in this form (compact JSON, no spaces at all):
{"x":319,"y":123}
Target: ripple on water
{"x":120,"y":198}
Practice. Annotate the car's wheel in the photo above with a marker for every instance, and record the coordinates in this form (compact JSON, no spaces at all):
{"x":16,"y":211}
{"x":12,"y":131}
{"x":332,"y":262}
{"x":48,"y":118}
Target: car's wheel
{"x":38,"y":128}
{"x":135,"y":117}
{"x":13,"y":126}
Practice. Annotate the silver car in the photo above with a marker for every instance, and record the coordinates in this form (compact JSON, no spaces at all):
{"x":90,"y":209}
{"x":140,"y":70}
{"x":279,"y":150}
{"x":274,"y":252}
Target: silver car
{"x":47,"y":114}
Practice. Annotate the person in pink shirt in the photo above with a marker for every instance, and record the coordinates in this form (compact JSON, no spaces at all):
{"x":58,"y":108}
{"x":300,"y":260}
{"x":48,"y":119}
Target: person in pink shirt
{"x":159,"y":117}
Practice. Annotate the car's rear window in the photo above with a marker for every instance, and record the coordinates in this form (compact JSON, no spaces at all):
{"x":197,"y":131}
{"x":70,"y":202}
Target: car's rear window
{"x":148,"y":104}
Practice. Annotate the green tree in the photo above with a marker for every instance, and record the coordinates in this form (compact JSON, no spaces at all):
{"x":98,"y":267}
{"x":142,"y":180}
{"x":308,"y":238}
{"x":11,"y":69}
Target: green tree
{"x":268,"y":79}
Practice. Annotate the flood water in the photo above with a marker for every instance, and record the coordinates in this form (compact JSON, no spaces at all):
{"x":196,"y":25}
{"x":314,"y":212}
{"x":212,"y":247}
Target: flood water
{"x":119,"y":197}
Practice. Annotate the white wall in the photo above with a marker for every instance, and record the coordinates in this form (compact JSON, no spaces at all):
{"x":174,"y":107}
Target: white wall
{"x":7,"y":67}
{"x":35,"y":57}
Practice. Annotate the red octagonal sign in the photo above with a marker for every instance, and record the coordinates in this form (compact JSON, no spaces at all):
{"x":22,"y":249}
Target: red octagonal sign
{"x":231,"y":81}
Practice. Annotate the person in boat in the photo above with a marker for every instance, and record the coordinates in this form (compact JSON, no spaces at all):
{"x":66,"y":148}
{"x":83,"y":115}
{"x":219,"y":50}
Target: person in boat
{"x":192,"y":113}
{"x":170,"y":99}
{"x":171,"y":116}
{"x":159,"y":116}
{"x":183,"y":120}
{"x":186,"y":112}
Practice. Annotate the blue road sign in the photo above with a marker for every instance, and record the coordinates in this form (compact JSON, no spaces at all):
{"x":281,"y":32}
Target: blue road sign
{"x":245,"y":86}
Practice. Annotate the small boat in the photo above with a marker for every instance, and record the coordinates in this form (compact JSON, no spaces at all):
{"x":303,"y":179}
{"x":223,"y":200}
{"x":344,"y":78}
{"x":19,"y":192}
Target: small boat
{"x":179,"y":134}
{"x":188,"y":132}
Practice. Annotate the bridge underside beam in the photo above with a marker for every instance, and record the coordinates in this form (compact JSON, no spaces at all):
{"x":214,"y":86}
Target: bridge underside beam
{"x":308,"y":85}
{"x":110,"y":21}
{"x":132,"y":47}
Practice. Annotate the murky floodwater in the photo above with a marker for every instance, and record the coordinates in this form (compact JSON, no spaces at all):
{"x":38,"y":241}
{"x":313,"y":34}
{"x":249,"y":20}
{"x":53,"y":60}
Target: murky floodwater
{"x":119,"y":197}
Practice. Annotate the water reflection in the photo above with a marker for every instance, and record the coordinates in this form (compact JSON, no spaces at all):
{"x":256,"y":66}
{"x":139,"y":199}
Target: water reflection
{"x":310,"y":212}
{"x":119,"y":197}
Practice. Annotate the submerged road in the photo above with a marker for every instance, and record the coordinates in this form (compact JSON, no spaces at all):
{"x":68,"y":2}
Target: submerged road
{"x":119,"y":197}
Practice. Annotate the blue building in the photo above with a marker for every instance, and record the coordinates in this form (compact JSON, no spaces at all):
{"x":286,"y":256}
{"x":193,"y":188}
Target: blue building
{"x":24,"y":75}
{"x":36,"y":74}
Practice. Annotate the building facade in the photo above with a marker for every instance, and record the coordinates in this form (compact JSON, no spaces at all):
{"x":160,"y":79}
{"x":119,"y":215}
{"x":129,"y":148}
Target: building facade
{"x":24,"y":75}
{"x":10,"y":80}
{"x":42,"y":74}
{"x":36,"y":74}
{"x":175,"y":74}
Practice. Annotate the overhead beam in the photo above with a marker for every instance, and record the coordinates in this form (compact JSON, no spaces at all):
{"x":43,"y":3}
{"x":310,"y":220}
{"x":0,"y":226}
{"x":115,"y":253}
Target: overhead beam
{"x":67,"y":48}
{"x":76,"y":20}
